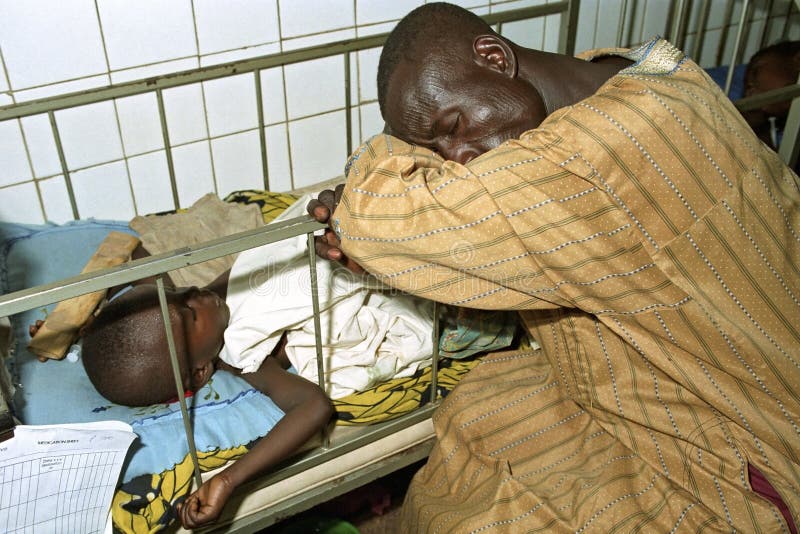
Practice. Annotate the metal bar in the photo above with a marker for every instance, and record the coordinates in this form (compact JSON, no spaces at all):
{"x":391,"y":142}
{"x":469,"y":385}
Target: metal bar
{"x":435,"y":356}
{"x":176,"y":372}
{"x":679,"y":28}
{"x":212,"y":72}
{"x":63,"y":161}
{"x":775,"y":95}
{"x":621,"y":24}
{"x":162,"y":115}
{"x":699,"y":34}
{"x":723,"y":37}
{"x":789,"y":148}
{"x":762,"y":41}
{"x":67,"y":288}
{"x":262,"y":134}
{"x":348,"y":105}
{"x":312,"y":269}
{"x":736,"y":46}
{"x":566,"y":33}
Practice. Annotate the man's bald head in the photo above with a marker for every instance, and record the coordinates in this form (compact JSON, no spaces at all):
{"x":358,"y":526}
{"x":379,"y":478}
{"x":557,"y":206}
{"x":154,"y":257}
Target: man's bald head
{"x":442,"y":28}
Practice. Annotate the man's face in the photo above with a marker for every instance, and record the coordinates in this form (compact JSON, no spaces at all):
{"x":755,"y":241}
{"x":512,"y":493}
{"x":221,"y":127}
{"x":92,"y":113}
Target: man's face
{"x":459,"y":110}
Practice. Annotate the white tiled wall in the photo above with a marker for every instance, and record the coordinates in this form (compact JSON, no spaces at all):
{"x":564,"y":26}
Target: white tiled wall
{"x":115,"y":150}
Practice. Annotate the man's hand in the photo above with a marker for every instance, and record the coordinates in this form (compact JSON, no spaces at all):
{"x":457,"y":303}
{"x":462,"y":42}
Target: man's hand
{"x":205,"y":505}
{"x":327,"y":245}
{"x":34,"y":328}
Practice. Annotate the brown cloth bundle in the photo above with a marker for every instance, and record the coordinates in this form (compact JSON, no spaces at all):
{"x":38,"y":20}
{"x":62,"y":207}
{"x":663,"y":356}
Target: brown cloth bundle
{"x":61,"y":328}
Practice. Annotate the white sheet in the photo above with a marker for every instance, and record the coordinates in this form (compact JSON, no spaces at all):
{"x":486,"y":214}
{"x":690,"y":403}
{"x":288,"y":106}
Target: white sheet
{"x":368,"y":335}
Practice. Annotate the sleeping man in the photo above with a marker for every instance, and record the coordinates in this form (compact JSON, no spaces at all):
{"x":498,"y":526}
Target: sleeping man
{"x":650,"y":243}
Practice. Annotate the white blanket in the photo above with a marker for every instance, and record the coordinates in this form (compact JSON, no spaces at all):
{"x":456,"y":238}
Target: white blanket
{"x":368,"y":335}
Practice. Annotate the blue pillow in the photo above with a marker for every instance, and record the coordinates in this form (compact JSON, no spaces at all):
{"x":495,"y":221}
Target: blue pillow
{"x":227,"y":411}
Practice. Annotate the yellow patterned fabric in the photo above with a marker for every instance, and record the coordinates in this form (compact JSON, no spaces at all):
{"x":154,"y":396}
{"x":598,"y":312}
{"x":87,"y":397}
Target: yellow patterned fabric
{"x":652,"y":244}
{"x":396,"y":397}
{"x":146,"y":503}
{"x":271,"y":204}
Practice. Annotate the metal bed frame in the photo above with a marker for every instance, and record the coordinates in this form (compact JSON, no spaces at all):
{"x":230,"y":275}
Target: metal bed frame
{"x":158,"y":265}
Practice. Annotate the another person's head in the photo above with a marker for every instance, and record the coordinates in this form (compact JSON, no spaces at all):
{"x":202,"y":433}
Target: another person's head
{"x":448,"y":82}
{"x":771,"y":68}
{"x":125,"y":350}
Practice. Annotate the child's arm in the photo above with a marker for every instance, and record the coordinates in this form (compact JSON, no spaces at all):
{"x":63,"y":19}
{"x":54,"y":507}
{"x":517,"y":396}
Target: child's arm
{"x":307,"y":410}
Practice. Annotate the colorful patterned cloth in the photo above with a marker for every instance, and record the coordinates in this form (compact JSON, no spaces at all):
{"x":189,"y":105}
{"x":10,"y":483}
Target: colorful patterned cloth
{"x":651,"y":242}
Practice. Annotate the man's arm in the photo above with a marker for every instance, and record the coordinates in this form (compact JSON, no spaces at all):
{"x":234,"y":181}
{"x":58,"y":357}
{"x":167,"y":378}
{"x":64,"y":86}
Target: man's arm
{"x":307,"y":410}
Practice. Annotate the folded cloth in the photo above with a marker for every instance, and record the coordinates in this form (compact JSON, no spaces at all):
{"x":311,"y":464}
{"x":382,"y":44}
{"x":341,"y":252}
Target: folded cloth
{"x":208,"y":218}
{"x":368,"y":334}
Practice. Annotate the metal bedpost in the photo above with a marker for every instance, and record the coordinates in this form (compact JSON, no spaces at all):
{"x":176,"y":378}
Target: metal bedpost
{"x":262,"y":135}
{"x":176,"y":371}
{"x":621,"y":24}
{"x":167,"y":147}
{"x":736,"y":46}
{"x":63,"y":161}
{"x":312,"y":267}
{"x":348,"y":106}
{"x":699,"y":34}
{"x":569,"y":23}
{"x":678,"y":36}
{"x":435,"y":357}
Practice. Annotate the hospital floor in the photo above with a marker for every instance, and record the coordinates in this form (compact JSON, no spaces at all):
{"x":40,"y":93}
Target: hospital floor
{"x":370,"y":509}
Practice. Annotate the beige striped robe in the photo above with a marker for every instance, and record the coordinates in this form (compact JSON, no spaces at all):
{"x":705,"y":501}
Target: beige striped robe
{"x":651,"y":244}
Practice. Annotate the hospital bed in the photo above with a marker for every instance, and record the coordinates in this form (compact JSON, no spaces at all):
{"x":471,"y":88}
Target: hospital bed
{"x":346,"y":457}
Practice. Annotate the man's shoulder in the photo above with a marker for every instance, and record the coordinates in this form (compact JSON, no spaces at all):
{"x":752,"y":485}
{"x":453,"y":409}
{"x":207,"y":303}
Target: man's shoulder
{"x":654,"y":57}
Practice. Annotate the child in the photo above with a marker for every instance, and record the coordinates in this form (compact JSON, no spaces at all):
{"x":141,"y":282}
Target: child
{"x":770,"y":68}
{"x":126,"y":356}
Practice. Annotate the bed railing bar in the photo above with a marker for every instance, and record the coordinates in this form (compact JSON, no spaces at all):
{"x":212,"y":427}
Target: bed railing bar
{"x":679,"y":25}
{"x":360,"y":436}
{"x":789,"y":148}
{"x":162,"y":116}
{"x":173,"y":356}
{"x":348,"y":106}
{"x":312,"y":272}
{"x":621,"y":24}
{"x":737,"y":46}
{"x":323,"y":493}
{"x":762,"y":41}
{"x":774,"y":95}
{"x":723,"y":36}
{"x":262,"y":134}
{"x":786,"y":25}
{"x":566,"y":33}
{"x":67,"y":288}
{"x":699,"y":33}
{"x":435,"y":357}
{"x":212,"y":72}
{"x":63,"y":162}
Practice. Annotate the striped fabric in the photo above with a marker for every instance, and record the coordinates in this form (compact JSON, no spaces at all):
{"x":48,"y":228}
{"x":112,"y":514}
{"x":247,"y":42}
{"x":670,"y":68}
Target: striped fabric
{"x":651,"y":244}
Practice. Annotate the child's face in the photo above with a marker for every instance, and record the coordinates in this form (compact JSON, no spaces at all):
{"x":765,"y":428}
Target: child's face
{"x":772,"y":73}
{"x":203,"y":319}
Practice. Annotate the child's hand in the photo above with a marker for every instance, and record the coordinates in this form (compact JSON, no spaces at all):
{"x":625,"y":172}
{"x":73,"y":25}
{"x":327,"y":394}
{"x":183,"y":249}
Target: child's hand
{"x":205,"y":505}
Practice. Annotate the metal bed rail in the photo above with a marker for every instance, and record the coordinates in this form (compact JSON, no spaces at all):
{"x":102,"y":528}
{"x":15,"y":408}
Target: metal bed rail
{"x":45,"y":294}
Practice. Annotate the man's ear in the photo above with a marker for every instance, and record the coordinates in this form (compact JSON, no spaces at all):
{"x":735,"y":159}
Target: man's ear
{"x":201,"y":375}
{"x":493,"y":52}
